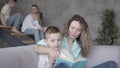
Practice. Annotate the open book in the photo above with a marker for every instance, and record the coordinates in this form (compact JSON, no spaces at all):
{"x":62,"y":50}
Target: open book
{"x":66,"y":58}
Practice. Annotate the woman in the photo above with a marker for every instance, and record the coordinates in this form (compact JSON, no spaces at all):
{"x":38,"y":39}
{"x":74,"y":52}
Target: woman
{"x":31,"y":24}
{"x":76,"y":37}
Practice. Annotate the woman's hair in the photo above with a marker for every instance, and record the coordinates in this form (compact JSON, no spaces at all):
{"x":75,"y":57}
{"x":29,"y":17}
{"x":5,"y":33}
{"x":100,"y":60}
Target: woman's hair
{"x":51,"y":30}
{"x":84,"y":37}
{"x":40,"y":15}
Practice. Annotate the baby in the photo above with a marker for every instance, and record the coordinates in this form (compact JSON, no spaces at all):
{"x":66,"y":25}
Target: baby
{"x":38,"y":17}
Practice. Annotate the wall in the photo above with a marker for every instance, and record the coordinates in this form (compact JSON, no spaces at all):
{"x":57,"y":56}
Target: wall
{"x":58,"y":12}
{"x":2,"y":3}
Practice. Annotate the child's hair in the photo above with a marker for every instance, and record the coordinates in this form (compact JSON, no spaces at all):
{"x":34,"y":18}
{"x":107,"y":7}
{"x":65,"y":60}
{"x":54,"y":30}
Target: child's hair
{"x":12,"y":1}
{"x":39,"y":14}
{"x":15,"y":0}
{"x":50,"y":30}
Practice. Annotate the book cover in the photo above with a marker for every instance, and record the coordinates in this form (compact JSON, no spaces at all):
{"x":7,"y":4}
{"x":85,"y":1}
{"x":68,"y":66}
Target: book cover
{"x":71,"y":62}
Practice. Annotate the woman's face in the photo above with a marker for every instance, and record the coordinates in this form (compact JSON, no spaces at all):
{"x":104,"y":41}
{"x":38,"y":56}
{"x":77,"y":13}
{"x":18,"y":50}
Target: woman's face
{"x":34,"y":9}
{"x":74,"y":29}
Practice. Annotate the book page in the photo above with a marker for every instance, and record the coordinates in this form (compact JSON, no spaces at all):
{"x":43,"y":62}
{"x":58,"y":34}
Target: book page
{"x":66,"y":55}
{"x":62,"y":56}
{"x":81,"y":59}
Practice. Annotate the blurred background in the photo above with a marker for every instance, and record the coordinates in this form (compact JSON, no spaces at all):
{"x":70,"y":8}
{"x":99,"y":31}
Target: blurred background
{"x":58,"y":12}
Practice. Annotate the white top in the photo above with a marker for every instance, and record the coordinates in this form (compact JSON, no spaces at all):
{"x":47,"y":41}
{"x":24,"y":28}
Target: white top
{"x":43,"y":59}
{"x":30,"y":23}
{"x":6,"y":11}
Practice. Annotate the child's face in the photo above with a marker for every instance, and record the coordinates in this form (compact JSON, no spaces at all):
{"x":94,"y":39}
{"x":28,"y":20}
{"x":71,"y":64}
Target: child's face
{"x":37,"y":16}
{"x":12,"y":4}
{"x":54,"y":40}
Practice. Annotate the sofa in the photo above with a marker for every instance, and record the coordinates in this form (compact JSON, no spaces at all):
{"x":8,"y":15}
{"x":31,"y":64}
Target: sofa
{"x":25,"y":56}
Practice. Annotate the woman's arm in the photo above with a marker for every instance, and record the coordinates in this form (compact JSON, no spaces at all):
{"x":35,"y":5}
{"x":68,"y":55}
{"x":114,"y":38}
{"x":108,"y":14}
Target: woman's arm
{"x":47,"y":50}
{"x":42,"y":49}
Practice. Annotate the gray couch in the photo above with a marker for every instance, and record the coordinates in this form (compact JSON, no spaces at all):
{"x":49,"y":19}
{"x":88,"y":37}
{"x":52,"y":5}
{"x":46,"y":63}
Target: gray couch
{"x":25,"y":56}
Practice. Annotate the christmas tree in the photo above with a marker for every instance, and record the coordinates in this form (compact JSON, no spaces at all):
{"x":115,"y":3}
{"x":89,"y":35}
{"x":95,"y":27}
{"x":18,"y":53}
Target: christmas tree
{"x":108,"y":34}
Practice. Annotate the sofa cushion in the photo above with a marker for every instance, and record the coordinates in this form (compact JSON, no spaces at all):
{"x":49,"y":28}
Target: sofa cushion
{"x":100,"y":54}
{"x":25,"y":56}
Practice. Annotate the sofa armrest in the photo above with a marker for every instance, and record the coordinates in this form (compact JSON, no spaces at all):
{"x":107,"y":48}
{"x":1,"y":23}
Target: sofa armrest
{"x":18,"y":57}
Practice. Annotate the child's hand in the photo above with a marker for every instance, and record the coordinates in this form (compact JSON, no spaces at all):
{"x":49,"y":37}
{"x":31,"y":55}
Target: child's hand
{"x":45,"y":29}
{"x":53,"y":53}
{"x":41,"y":29}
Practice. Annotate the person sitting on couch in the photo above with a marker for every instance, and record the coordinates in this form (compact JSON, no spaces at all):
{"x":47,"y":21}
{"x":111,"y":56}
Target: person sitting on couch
{"x":8,"y":20}
{"x":52,"y":40}
{"x":31,"y":24}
